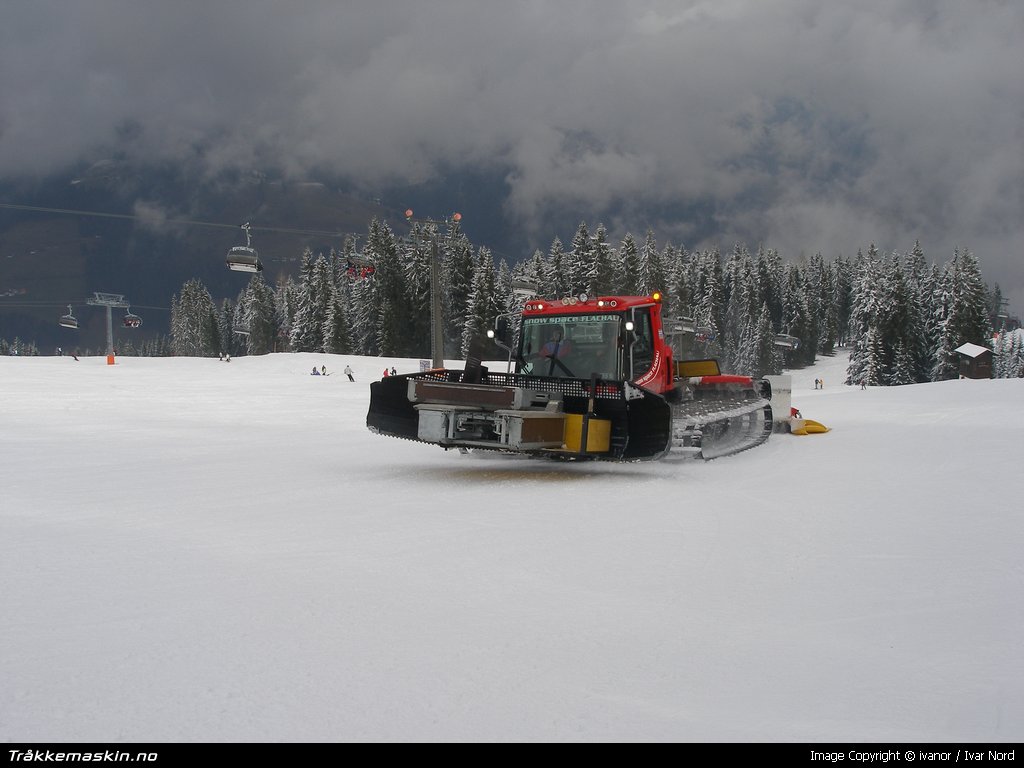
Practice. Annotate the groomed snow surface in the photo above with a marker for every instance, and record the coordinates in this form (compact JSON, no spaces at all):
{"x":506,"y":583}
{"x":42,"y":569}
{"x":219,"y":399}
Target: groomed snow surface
{"x":194,"y":550}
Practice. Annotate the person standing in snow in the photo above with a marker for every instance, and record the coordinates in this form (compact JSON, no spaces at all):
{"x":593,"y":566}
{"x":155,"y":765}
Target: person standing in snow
{"x":385,"y":373}
{"x":348,"y":372}
{"x":393,"y":371}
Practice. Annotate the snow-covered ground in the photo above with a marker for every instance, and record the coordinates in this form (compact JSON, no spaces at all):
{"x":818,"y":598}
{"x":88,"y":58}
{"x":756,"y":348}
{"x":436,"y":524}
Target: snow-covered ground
{"x":193,"y":550}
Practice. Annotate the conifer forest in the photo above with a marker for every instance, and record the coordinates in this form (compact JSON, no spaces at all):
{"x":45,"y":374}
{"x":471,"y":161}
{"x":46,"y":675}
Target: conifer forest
{"x":900,"y":316}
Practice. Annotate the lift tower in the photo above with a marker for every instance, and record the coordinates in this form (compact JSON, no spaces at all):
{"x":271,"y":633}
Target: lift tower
{"x":109,"y":300}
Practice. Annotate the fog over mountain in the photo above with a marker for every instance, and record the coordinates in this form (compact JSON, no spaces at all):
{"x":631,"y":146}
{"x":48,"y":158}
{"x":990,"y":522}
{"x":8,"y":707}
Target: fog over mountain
{"x":805,"y":126}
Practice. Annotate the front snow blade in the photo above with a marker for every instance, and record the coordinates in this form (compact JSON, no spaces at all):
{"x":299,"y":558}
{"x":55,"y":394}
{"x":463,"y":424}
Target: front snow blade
{"x":390,"y":411}
{"x":639,"y":422}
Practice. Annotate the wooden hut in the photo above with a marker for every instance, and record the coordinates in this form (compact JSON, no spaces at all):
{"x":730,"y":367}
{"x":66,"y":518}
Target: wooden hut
{"x":975,"y":361}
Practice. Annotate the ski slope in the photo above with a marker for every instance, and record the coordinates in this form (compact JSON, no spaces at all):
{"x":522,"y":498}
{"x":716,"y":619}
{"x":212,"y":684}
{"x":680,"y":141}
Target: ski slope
{"x":193,"y":550}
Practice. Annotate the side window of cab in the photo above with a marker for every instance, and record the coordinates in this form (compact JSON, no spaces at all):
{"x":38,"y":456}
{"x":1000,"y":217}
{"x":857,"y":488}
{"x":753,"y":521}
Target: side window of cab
{"x":642,"y":342}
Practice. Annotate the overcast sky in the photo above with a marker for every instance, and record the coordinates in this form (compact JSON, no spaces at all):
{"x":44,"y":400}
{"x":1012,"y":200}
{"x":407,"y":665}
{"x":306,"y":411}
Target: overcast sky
{"x":808,"y":126}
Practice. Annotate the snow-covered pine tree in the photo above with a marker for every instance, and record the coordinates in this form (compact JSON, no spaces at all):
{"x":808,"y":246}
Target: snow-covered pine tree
{"x":285,"y":303}
{"x":937,"y":308}
{"x":628,"y":283}
{"x":535,"y":271}
{"x":677,"y":288}
{"x":651,"y":276}
{"x":874,"y":358}
{"x":945,"y":365}
{"x":744,"y":349}
{"x":388,"y":278}
{"x":194,"y":321}
{"x":557,"y":280}
{"x":742,"y":307}
{"x":256,"y":312}
{"x":896,"y":318}
{"x":481,"y":306}
{"x":863,"y":315}
{"x":767,"y":360}
{"x":962,"y":313}
{"x":306,"y":333}
{"x":239,"y":320}
{"x":770,"y":276}
{"x":1009,"y":358}
{"x":458,"y":281}
{"x":756,"y":354}
{"x":922,"y":340}
{"x":797,"y":318}
{"x":25,"y":348}
{"x":504,"y":300}
{"x":842,"y":298}
{"x":579,"y":262}
{"x":602,"y":274}
{"x":903,"y":366}
{"x":364,"y":296}
{"x":225,"y":329}
{"x":995,"y":307}
{"x":709,"y":300}
{"x":363,"y":310}
{"x":506,"y":303}
{"x":1014,"y":365}
{"x":314,"y":295}
{"x":826,"y":316}
{"x":337,"y":340}
{"x":416,"y":255}
{"x":970,"y":312}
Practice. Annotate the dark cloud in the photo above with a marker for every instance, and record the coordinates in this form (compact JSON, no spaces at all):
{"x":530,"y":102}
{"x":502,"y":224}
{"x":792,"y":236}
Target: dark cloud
{"x":806,"y":125}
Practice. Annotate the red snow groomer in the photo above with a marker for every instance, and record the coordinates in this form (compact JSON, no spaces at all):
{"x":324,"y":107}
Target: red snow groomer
{"x":588,"y":377}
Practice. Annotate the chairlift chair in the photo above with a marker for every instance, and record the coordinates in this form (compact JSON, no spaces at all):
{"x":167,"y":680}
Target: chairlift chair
{"x":132,"y":320}
{"x":684,"y":325}
{"x":68,"y":320}
{"x":705,"y":334}
{"x":786,"y":341}
{"x":243,"y":258}
{"x":358,"y":267}
{"x":523,"y":289}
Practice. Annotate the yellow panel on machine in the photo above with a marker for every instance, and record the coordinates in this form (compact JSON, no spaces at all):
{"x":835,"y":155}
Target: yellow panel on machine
{"x":599,"y":432}
{"x":695,"y":368}
{"x":535,"y":430}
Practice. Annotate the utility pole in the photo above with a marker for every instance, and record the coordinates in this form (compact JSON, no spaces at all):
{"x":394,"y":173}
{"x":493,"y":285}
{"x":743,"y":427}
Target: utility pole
{"x":436,"y":324}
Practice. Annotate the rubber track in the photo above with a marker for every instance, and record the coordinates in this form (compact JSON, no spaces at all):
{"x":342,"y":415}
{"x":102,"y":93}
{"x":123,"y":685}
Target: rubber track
{"x":722,"y":430}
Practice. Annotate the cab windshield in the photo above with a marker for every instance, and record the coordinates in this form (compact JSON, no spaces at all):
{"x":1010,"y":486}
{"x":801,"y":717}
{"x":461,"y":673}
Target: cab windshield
{"x":572,"y":346}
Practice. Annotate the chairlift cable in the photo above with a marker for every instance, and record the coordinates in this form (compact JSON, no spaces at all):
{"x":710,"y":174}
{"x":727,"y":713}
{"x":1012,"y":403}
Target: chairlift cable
{"x":192,"y":222}
{"x":45,"y":304}
{"x":199,"y":223}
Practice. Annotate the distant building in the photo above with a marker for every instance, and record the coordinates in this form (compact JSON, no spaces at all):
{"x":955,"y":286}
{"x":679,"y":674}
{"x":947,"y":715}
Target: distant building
{"x":975,"y":361}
